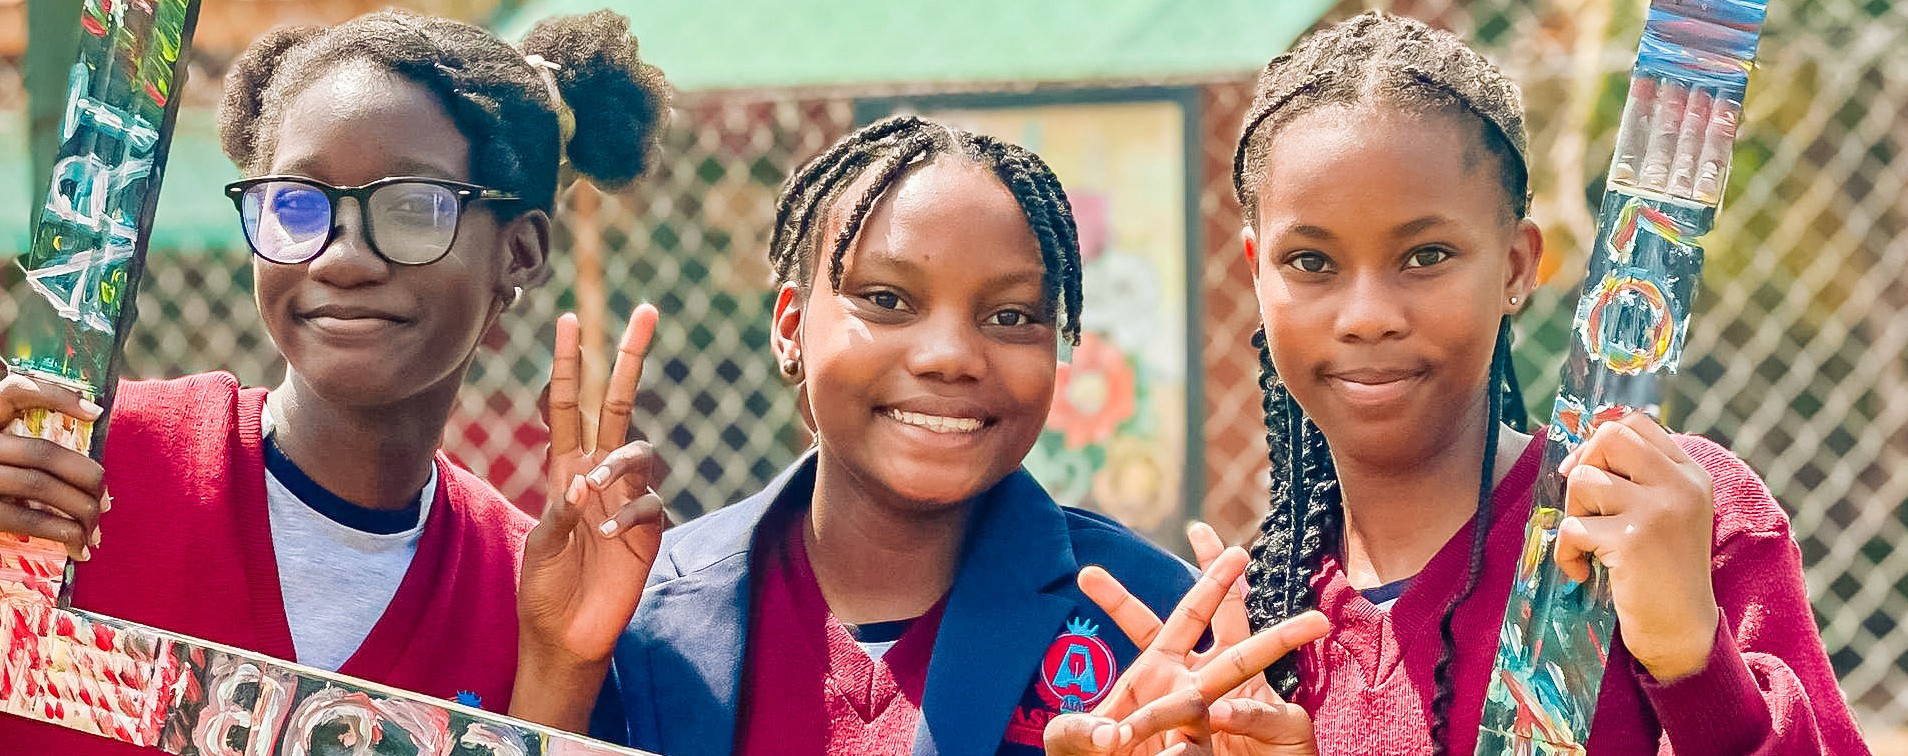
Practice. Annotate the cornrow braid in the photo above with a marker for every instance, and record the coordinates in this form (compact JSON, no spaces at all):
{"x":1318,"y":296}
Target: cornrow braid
{"x":882,"y":153}
{"x":1373,"y":59}
{"x":1377,"y":58}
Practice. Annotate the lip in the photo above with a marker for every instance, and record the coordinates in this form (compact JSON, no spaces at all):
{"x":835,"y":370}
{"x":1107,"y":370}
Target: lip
{"x":1374,"y":386}
{"x":351,"y":320}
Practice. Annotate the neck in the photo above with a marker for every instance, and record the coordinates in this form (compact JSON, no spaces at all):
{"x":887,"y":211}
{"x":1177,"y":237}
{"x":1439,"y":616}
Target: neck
{"x":1400,"y":513}
{"x":879,"y":559}
{"x":378,"y":457}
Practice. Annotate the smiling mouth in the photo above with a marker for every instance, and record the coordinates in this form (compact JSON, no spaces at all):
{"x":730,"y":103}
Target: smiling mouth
{"x":935,"y":423}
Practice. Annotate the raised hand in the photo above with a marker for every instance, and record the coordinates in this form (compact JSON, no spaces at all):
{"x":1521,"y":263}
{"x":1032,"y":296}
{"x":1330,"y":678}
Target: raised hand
{"x":47,"y":490}
{"x":1176,"y":700}
{"x":1639,"y":504}
{"x":585,"y":564}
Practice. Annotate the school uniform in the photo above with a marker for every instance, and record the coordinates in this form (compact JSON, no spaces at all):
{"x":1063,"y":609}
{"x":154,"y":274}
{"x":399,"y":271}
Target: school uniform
{"x":1016,"y":641}
{"x":188,"y":547}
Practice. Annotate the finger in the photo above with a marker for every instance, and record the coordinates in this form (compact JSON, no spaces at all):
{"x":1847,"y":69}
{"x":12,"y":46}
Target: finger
{"x":1617,"y":448}
{"x":1133,"y":616}
{"x":64,"y":465}
{"x":1195,"y":611}
{"x":1230,"y":625}
{"x":19,"y":393}
{"x":645,"y":509}
{"x":1590,"y":491}
{"x":632,"y":463}
{"x":1073,"y":735}
{"x":1206,"y":543}
{"x":1234,"y":666}
{"x":566,"y":375}
{"x":20,"y":520}
{"x":1183,"y":709}
{"x":560,"y":516}
{"x":63,"y":499}
{"x":612,"y":425}
{"x":1579,"y":539}
{"x":1652,"y":431}
{"x":1278,"y":723}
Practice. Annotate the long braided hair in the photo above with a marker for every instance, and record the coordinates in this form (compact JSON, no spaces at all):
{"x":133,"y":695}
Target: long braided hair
{"x":887,"y":150}
{"x":1402,"y":64}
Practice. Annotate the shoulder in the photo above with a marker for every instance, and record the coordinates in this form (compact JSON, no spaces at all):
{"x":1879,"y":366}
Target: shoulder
{"x":160,"y":402}
{"x":1150,"y":572}
{"x":1743,"y":502}
{"x":182,"y":419}
{"x":711,"y":538}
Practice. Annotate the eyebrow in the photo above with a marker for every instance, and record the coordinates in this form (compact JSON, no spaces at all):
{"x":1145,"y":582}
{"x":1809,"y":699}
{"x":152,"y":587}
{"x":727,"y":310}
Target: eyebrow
{"x":888,"y":258}
{"x":1409,"y":228}
{"x":406,"y":167}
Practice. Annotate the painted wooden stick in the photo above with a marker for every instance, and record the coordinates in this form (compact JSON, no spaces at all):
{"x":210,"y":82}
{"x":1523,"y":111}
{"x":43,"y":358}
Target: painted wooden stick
{"x":1666,"y":182}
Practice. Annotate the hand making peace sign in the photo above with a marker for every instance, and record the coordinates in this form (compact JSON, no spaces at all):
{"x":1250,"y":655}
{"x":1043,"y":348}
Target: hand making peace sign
{"x":585,"y":564}
{"x":1175,"y":700}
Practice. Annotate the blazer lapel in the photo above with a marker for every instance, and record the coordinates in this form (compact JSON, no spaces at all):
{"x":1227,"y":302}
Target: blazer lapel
{"x":999,"y":620}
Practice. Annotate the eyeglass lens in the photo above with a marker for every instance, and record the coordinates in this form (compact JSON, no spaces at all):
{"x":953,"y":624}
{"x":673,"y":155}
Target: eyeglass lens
{"x":290,"y":222}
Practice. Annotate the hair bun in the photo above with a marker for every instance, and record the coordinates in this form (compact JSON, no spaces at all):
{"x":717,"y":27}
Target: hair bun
{"x":245,"y":85}
{"x":613,"y":94}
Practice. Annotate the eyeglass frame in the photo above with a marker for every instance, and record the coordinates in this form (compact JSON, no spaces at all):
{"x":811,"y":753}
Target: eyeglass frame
{"x":465,"y":192}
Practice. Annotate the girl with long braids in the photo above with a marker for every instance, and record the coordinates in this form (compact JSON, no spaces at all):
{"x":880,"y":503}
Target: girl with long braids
{"x":903,"y":587}
{"x":1383,"y":170}
{"x":401,"y":170}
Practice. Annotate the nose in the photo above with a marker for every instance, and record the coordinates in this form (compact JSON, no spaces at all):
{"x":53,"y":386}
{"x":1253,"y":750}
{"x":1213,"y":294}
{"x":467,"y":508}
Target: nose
{"x":347,"y":261}
{"x":1372,"y":310}
{"x":947,"y":346}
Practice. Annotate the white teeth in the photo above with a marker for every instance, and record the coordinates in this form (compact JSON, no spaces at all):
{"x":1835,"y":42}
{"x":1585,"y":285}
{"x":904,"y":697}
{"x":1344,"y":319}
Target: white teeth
{"x":936,"y":423}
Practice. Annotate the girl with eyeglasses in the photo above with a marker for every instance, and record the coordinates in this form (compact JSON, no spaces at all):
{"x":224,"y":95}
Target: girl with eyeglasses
{"x":404,"y":169}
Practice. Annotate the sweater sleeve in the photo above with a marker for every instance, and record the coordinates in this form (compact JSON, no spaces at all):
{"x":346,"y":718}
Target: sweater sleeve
{"x":1767,"y":687}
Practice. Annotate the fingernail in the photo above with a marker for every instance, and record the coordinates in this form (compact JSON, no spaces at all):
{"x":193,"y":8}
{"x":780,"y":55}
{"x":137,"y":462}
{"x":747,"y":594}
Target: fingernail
{"x":1103,"y":736}
{"x":599,"y":476}
{"x":95,"y":539}
{"x":574,"y":494}
{"x":1126,"y":734}
{"x":1221,"y":709}
{"x":608,"y":528}
{"x":86,"y":554}
{"x":93,"y":411}
{"x":105,"y":504}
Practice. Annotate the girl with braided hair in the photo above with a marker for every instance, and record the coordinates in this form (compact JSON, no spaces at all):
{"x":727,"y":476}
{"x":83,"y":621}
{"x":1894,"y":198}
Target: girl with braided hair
{"x":1383,"y":171}
{"x":402,"y":170}
{"x":903,"y":587}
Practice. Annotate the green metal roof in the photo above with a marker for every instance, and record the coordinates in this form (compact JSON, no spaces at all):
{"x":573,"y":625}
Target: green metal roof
{"x":746,"y":44}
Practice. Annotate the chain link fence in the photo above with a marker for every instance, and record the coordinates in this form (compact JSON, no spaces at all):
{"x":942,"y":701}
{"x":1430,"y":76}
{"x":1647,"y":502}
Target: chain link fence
{"x":1798,"y":359}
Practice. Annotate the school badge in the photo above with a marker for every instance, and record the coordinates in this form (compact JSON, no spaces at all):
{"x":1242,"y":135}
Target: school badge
{"x":1078,"y":669}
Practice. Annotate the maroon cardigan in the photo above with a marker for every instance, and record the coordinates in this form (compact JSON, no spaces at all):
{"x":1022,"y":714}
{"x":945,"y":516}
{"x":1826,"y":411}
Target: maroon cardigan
{"x":187,"y":547}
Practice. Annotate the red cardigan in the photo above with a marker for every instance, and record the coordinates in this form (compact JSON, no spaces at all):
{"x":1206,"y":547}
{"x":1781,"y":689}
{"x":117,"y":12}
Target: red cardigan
{"x":187,"y":547}
{"x":1767,"y":689}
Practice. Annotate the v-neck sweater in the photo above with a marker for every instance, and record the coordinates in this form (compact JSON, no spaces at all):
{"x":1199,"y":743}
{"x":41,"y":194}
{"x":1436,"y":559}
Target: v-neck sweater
{"x":187,"y":547}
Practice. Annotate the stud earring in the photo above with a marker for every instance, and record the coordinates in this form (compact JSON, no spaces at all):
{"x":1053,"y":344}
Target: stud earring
{"x":1513,"y":301}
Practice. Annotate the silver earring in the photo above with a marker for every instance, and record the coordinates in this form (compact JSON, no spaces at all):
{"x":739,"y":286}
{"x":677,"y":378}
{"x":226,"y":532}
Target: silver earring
{"x":1513,"y":301}
{"x":516,"y":293}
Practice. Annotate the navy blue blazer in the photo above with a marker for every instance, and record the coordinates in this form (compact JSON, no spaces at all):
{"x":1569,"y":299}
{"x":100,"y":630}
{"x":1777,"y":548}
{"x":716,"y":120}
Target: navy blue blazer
{"x":675,"y":678}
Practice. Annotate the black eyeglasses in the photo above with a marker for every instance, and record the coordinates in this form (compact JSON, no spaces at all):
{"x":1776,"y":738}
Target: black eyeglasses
{"x":408,"y":220}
